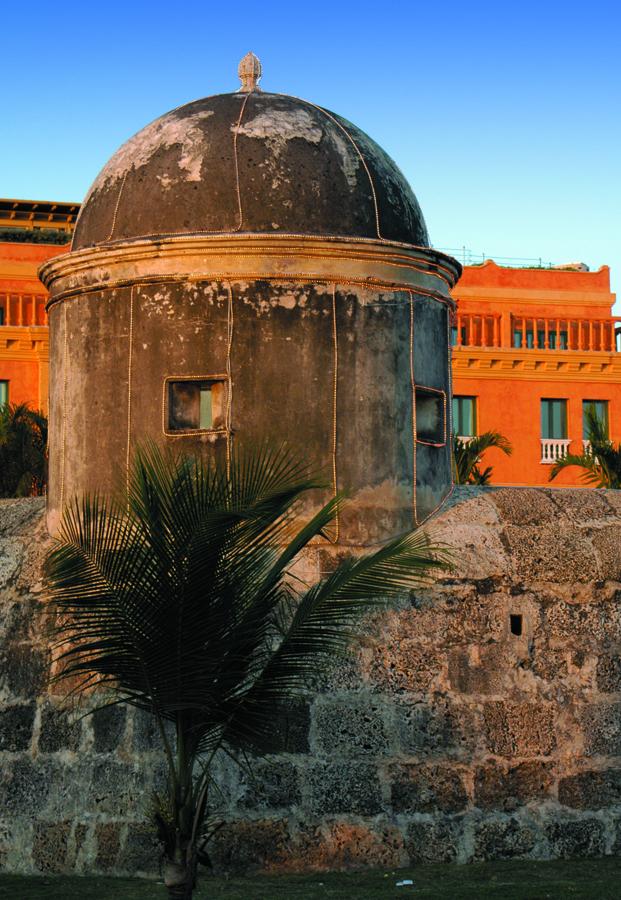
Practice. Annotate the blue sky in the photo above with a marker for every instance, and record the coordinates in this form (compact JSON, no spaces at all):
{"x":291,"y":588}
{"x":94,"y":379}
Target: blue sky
{"x":505,"y":117}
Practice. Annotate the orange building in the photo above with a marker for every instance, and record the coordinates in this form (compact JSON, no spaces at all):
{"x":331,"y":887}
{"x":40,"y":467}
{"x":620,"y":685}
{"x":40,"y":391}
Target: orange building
{"x":532,"y":349}
{"x":26,"y":226}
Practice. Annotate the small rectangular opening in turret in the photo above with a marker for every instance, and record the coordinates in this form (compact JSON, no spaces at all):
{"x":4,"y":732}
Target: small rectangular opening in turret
{"x":194,"y":405}
{"x":430,"y":416}
{"x":515,"y":624}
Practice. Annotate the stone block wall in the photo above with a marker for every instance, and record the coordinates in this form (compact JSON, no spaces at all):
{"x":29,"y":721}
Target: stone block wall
{"x":479,"y":720}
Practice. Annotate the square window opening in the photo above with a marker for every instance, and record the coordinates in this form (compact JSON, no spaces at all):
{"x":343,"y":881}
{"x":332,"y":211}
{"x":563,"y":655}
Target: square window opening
{"x":195,"y":405}
{"x":430,"y":416}
{"x":515,"y":624}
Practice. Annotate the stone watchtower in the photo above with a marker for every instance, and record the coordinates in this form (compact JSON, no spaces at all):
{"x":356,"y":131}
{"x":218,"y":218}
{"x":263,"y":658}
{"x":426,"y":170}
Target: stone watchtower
{"x":253,"y":266}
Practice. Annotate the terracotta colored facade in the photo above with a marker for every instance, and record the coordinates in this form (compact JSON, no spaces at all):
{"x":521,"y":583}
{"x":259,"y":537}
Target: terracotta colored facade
{"x":532,"y":348}
{"x":24,"y":341}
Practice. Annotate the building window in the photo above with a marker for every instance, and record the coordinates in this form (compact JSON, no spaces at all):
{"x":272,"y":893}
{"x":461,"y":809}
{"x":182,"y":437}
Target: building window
{"x":527,"y":340}
{"x":553,"y":419}
{"x":600,"y":408}
{"x":4,"y":392}
{"x":1,"y":315}
{"x":195,"y":404}
{"x":464,"y":416}
{"x":430,"y":416}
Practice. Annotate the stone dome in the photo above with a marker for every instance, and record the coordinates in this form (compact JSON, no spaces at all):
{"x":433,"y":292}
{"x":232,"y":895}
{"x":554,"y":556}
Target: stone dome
{"x":250,"y":162}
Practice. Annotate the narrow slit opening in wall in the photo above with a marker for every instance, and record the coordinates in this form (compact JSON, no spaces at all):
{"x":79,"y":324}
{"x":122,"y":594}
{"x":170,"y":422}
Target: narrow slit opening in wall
{"x":515,"y":624}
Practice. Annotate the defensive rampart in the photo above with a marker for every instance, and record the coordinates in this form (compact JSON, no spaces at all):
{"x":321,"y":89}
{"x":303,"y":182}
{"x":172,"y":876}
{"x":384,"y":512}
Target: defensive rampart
{"x":481,"y":720}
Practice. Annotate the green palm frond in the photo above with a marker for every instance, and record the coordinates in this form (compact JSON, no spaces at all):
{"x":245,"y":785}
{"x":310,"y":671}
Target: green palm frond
{"x":601,"y":463}
{"x":178,"y":598}
{"x":467,"y":455}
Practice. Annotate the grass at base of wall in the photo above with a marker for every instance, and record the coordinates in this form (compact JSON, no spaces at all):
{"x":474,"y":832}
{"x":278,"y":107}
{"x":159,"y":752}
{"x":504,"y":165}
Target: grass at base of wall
{"x":595,"y":879}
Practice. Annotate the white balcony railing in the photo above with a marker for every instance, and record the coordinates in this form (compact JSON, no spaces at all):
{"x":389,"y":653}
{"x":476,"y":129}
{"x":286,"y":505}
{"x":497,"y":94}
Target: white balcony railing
{"x":553,"y":449}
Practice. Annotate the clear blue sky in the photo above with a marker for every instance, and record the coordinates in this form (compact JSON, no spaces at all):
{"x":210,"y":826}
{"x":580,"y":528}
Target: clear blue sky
{"x":505,"y":117}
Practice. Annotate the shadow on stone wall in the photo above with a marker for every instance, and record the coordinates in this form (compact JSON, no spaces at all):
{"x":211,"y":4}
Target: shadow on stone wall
{"x":480,"y":720}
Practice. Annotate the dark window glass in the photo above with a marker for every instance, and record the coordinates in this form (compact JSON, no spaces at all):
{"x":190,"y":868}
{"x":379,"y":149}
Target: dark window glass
{"x":600,"y":408}
{"x":430,"y":426}
{"x":553,"y":419}
{"x":464,"y":416}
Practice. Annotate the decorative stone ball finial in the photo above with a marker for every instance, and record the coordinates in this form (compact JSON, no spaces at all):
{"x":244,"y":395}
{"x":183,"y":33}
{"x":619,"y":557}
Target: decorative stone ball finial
{"x":249,"y":71}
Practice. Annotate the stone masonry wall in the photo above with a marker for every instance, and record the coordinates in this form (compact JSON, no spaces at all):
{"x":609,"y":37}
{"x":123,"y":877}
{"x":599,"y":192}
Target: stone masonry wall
{"x":448,"y":737}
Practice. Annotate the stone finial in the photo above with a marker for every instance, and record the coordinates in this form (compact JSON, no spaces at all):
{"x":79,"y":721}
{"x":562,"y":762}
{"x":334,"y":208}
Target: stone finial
{"x":249,"y":71}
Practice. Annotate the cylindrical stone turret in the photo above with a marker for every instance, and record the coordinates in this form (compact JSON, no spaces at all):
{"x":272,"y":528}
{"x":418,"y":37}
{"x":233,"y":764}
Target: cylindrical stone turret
{"x":248,"y":267}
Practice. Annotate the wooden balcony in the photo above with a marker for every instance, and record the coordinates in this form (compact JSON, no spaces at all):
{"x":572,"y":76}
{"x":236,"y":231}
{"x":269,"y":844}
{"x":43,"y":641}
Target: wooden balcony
{"x":505,"y":331}
{"x":22,"y":309}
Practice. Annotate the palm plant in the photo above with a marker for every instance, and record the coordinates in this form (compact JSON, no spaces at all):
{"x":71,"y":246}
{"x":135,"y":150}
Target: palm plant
{"x":23,"y":449}
{"x":601,"y":463}
{"x":467,"y":456}
{"x":177,"y":597}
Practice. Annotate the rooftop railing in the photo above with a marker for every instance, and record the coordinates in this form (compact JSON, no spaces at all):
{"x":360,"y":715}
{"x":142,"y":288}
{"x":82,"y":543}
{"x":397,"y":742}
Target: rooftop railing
{"x":22,"y":309}
{"x":536,"y":332}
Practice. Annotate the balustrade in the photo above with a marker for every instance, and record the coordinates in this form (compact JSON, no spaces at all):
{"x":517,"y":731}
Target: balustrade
{"x":536,"y":333}
{"x":22,"y":309}
{"x":553,"y":449}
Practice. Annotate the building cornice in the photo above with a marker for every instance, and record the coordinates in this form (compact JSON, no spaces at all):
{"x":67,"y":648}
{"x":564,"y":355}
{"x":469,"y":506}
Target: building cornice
{"x":252,"y":257}
{"x":549,"y":365}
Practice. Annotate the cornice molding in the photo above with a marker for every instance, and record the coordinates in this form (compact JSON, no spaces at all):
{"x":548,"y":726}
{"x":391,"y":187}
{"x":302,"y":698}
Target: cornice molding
{"x":251,"y":257}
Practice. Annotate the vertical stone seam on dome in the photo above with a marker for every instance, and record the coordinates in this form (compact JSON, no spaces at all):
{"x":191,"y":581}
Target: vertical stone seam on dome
{"x":118,"y":200}
{"x":358,"y":151}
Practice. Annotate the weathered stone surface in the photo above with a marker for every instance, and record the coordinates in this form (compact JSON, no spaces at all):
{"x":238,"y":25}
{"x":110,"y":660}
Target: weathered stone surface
{"x":436,"y":727}
{"x":499,"y":786}
{"x":593,"y":789}
{"x":428,"y":788}
{"x":141,"y":851}
{"x":503,"y":838}
{"x":447,"y":738}
{"x":24,"y":787}
{"x":350,"y":726}
{"x":519,"y":729}
{"x":601,"y":723}
{"x":344,"y":845}
{"x":11,"y":556}
{"x":50,"y":845}
{"x":561,"y":554}
{"x":108,"y":844}
{"x":344,"y":787}
{"x":16,"y":724}
{"x":403,"y":665}
{"x":250,"y":845}
{"x":108,"y":728}
{"x":271,"y":783}
{"x":24,"y":670}
{"x":20,"y":517}
{"x":433,"y":841}
{"x":525,"y":506}
{"x":608,"y":551}
{"x":60,"y":729}
{"x":609,"y":674}
{"x":584,"y":837}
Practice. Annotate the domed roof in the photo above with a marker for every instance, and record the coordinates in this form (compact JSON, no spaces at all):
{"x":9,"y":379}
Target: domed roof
{"x":250,"y":162}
